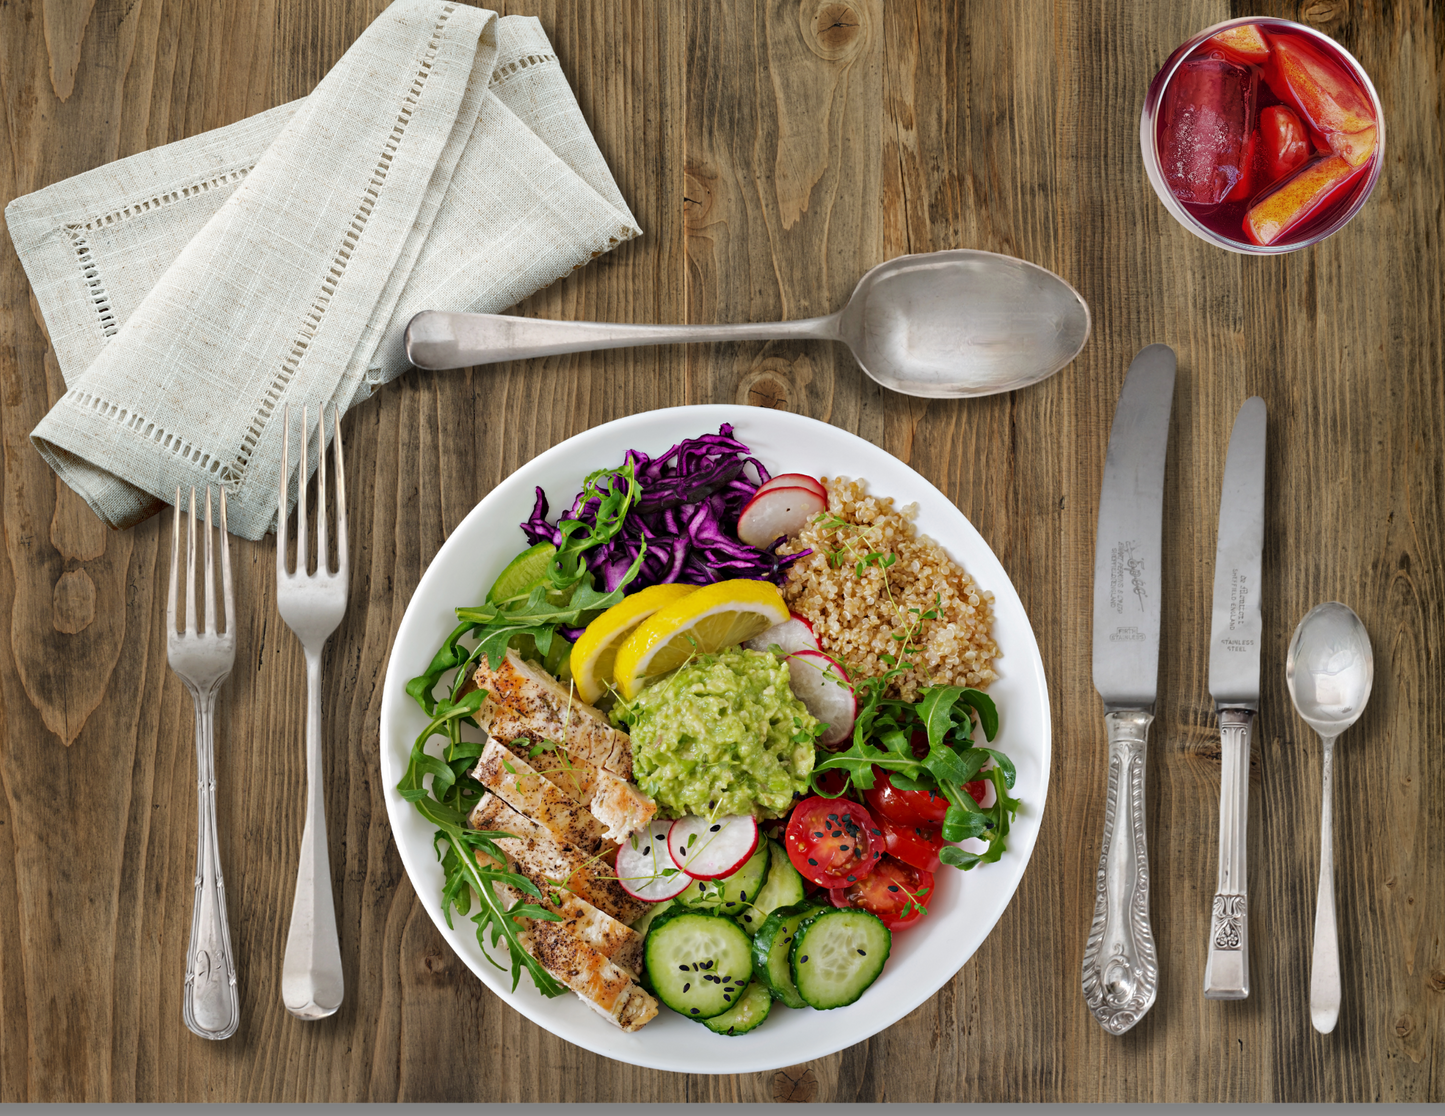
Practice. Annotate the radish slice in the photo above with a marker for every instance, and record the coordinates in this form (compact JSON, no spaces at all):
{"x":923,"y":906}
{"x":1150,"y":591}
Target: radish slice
{"x":770,"y":515}
{"x":821,"y":684}
{"x":794,"y":480}
{"x":644,"y":868}
{"x":794,"y":634}
{"x":711,"y":848}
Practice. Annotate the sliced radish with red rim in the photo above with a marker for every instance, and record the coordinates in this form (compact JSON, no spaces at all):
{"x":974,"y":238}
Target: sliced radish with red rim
{"x":645,"y":869}
{"x":795,"y":480}
{"x":711,"y":848}
{"x":777,"y":513}
{"x":793,"y":634}
{"x":821,"y":684}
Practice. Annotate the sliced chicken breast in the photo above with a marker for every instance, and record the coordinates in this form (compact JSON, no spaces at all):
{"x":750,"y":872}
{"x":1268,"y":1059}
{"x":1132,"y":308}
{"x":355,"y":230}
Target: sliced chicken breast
{"x":602,"y":985}
{"x":621,"y":808}
{"x":515,"y":781}
{"x":553,"y":867}
{"x":524,"y":701}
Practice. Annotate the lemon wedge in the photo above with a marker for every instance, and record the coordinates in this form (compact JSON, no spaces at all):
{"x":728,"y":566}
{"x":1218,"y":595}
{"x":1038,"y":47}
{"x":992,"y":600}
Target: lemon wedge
{"x":713,"y":617}
{"x":594,"y":654}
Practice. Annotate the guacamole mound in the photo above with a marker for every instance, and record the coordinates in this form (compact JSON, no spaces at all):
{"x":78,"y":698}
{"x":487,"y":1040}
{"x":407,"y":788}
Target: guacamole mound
{"x":723,"y":734}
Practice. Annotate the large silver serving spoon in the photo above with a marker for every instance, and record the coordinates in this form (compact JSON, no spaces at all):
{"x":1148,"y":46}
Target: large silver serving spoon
{"x":1330,"y":669}
{"x":943,"y":324}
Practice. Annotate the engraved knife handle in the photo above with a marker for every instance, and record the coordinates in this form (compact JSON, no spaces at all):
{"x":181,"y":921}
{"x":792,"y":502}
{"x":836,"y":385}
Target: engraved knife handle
{"x":1121,"y":968}
{"x":1226,"y":973}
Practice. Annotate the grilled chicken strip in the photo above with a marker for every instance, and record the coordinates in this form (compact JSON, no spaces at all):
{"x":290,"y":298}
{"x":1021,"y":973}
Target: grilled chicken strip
{"x":542,"y":860}
{"x":524,"y":701}
{"x":612,"y":800}
{"x":618,"y":943}
{"x":601,"y":984}
{"x":515,"y":781}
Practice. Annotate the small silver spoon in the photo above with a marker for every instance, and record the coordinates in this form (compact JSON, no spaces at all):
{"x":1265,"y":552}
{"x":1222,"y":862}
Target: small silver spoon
{"x":945,"y":325}
{"x":1330,"y":669}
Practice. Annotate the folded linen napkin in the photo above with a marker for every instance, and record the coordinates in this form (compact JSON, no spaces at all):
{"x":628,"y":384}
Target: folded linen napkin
{"x":192,"y":290}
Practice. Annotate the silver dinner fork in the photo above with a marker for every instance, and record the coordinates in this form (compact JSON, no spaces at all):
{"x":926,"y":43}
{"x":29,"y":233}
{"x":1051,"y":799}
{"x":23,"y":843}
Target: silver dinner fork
{"x":312,"y":605}
{"x":202,"y":659}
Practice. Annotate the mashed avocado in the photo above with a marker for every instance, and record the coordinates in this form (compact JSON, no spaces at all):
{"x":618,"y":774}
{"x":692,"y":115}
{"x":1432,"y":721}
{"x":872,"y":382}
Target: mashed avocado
{"x":722,"y":734}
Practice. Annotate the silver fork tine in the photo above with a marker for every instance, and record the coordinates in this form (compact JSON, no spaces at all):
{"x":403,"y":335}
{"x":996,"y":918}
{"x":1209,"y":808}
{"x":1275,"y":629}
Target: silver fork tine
{"x":175,"y":568}
{"x":341,"y":562}
{"x":227,"y":596}
{"x":210,"y":587}
{"x":191,"y":568}
{"x":301,"y":554}
{"x":281,"y":506}
{"x":322,"y":567}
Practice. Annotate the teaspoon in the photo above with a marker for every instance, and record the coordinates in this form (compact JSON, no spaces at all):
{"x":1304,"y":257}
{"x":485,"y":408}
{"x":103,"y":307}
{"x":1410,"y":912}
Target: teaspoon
{"x":1330,"y":669}
{"x":945,"y":325}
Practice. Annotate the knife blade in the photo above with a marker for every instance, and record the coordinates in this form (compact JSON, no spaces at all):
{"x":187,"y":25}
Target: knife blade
{"x":1234,"y":644}
{"x":1121,"y":967}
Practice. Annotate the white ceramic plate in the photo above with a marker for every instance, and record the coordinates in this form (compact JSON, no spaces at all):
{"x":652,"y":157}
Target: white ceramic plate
{"x":967,"y":904}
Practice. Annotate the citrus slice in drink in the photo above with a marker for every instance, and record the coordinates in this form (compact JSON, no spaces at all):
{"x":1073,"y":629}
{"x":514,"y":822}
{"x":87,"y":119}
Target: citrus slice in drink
{"x":716,"y":616}
{"x":594,"y":654}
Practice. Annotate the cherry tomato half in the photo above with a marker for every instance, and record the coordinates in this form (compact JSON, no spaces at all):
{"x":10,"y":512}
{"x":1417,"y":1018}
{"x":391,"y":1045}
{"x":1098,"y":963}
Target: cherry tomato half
{"x":832,"y":841}
{"x":897,"y":893}
{"x":912,"y":807}
{"x":917,"y":845}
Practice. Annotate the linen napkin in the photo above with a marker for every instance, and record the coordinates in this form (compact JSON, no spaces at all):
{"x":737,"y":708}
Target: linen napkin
{"x":193,"y":290}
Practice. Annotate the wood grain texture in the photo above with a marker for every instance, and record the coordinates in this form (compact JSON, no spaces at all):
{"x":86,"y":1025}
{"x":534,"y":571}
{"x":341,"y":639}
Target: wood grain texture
{"x":772,"y":151}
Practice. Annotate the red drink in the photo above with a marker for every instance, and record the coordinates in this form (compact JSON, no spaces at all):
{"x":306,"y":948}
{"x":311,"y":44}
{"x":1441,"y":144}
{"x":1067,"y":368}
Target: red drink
{"x":1262,"y":136}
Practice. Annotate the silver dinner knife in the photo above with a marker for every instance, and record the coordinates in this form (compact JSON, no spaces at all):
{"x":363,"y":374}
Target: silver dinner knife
{"x":1121,"y":967}
{"x":1234,"y":640}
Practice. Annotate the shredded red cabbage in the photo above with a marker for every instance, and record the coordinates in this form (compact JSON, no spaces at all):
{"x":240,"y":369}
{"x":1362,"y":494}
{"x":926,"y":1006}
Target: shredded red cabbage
{"x":688,"y":511}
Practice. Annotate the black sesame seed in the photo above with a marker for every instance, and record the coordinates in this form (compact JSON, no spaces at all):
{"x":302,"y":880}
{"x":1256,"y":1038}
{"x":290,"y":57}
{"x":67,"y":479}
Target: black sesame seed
{"x":714,"y":828}
{"x":832,"y":817}
{"x":876,"y":832}
{"x":813,"y":862}
{"x":892,"y":887}
{"x":647,"y":850}
{"x":685,"y":987}
{"x":803,"y":959}
{"x":861,"y":953}
{"x":728,"y":998}
{"x":694,"y":1011}
{"x":852,"y":879}
{"x":817,"y":835}
{"x":842,"y":848}
{"x":684,"y":967}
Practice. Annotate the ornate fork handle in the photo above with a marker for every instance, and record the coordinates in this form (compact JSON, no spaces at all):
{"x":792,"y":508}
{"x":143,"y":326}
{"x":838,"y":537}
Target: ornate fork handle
{"x":1121,"y":968}
{"x":212,"y":1006}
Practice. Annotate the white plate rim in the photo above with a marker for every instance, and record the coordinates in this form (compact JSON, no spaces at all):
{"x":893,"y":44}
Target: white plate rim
{"x":661,"y":1045}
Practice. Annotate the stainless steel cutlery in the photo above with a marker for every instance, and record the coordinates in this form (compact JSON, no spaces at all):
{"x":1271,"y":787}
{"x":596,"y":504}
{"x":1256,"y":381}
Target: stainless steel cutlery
{"x":202,"y":656}
{"x":312,"y":604}
{"x":1121,"y":966}
{"x":1234,"y":643}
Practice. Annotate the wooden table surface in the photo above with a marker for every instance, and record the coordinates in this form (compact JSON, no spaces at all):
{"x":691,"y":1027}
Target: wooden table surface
{"x":772,"y":150}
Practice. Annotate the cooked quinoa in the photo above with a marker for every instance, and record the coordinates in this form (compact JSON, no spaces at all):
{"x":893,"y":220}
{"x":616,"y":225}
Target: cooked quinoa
{"x":856,"y":616}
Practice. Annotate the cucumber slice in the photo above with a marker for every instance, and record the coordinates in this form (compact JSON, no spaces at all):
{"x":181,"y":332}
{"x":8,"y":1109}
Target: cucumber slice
{"x":746,"y":1014}
{"x":783,"y":888}
{"x":771,"y":948}
{"x":837,"y":954}
{"x":649,"y":916}
{"x":732,"y":894}
{"x":699,"y":962}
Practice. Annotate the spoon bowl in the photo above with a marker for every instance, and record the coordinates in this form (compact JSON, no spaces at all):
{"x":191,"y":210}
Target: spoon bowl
{"x":1330,"y":669}
{"x":943,"y":325}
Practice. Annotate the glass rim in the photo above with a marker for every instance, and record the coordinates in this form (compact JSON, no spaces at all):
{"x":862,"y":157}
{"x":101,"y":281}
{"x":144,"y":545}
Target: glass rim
{"x":1148,"y":139}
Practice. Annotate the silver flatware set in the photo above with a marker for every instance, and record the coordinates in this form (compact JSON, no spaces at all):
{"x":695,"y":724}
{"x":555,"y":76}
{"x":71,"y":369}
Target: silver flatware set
{"x":1329,"y":672}
{"x":312,"y":605}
